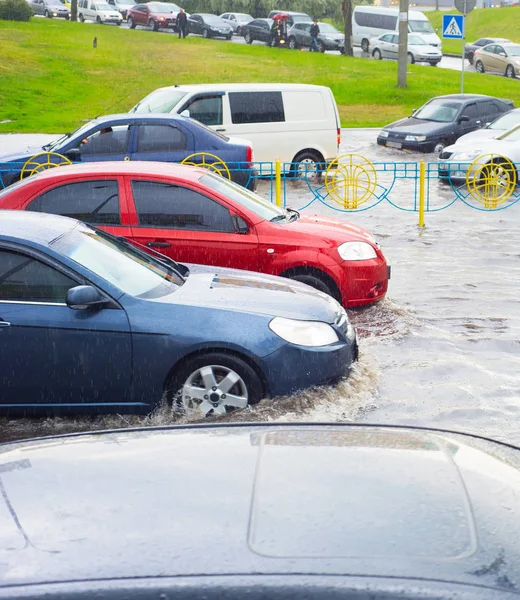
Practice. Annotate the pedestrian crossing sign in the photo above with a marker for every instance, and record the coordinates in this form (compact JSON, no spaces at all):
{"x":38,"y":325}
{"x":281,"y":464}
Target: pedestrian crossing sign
{"x":453,"y":27}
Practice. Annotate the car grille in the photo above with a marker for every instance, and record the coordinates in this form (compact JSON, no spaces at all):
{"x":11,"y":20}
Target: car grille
{"x":393,"y":135}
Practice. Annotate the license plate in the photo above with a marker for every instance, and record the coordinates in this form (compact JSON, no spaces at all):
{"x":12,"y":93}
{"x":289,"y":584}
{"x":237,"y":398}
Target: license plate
{"x":394,"y":144}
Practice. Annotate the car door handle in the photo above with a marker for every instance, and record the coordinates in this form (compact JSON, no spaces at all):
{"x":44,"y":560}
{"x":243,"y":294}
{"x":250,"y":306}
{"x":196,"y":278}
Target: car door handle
{"x":158,"y":244}
{"x":220,"y":129}
{"x":4,"y":323}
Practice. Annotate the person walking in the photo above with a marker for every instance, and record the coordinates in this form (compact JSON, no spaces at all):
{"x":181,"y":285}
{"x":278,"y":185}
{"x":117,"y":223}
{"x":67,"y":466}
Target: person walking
{"x":182,"y":23}
{"x":315,"y":32}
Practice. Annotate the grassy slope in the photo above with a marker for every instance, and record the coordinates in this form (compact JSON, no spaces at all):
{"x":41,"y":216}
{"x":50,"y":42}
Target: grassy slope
{"x":482,"y":22}
{"x":52,"y":79}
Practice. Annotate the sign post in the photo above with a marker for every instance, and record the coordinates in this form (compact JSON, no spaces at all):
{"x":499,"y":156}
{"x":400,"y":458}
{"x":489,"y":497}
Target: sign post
{"x":453,"y":27}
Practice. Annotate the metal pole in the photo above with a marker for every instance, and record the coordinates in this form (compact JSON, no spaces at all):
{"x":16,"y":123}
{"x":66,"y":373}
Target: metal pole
{"x":278,"y":182}
{"x":422,"y":185}
{"x":403,"y":43}
{"x":463,"y":44}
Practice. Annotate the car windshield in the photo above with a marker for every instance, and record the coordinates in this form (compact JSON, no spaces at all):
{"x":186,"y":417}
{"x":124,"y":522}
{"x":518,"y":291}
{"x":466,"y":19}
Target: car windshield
{"x":299,"y":18}
{"x":130,"y":270}
{"x":420,"y":27}
{"x":327,"y":28}
{"x":243,"y":18}
{"x":416,"y":40}
{"x":506,"y":121}
{"x":160,"y":101}
{"x":512,"y":135}
{"x":102,"y":6}
{"x":162,"y":8}
{"x":264,"y":209}
{"x":442,"y":111}
{"x":513,"y":50}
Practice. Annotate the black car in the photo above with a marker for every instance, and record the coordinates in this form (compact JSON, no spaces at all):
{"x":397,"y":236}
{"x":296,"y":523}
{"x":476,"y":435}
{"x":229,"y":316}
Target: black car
{"x":441,"y":121}
{"x":259,"y":29}
{"x":292,"y":16}
{"x":469,"y":49}
{"x":256,"y":512}
{"x":209,"y":25}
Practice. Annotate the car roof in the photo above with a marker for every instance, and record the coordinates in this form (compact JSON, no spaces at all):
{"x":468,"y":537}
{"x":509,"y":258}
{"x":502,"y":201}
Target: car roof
{"x":287,"y":12}
{"x":251,"y":87}
{"x":466,"y":97}
{"x":130,"y":116}
{"x":31,"y":226}
{"x":260,"y":499}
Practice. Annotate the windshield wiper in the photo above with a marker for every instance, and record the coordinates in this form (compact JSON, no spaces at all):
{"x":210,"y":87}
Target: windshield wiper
{"x":295,"y":215}
{"x":278,"y":218}
{"x":181,"y":270}
{"x":55,"y":143}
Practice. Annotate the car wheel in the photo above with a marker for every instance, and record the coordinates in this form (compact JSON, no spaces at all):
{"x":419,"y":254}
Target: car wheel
{"x":479,"y":66}
{"x":495,"y":170}
{"x":131,"y":23}
{"x":248,"y":38}
{"x":377,"y":54}
{"x":81,"y":18}
{"x":510,"y":72}
{"x":307,"y":165}
{"x":67,"y":18}
{"x":470,"y":59}
{"x":310,"y":279}
{"x":98,"y":20}
{"x":152,"y":25}
{"x":214,"y":384}
{"x":411,"y":58}
{"x":293,"y":45}
{"x":439,"y":147}
{"x":47,"y":15}
{"x":364,"y":45}
{"x":228,"y":37}
{"x":205,"y":33}
{"x":321,"y":47}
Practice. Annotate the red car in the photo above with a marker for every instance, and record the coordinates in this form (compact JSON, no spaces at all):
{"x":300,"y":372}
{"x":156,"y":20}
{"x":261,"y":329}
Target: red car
{"x":155,"y":15}
{"x":195,"y":216}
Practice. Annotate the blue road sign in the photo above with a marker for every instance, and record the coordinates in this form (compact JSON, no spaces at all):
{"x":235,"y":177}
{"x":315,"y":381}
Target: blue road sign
{"x":453,"y":27}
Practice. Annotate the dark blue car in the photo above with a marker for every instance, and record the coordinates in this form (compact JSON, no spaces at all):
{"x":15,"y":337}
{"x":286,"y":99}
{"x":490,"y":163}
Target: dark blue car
{"x":164,"y":138}
{"x":89,"y":322}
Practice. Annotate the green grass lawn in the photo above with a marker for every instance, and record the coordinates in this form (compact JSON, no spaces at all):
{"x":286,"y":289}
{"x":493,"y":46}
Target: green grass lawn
{"x":53,"y":80}
{"x":482,"y":22}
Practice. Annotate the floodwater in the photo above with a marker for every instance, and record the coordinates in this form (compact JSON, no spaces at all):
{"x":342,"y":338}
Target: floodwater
{"x":442,"y":350}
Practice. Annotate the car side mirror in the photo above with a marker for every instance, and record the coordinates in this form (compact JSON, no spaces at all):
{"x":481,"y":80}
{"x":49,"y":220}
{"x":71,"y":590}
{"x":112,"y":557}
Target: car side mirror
{"x":414,"y":110}
{"x":240,"y":225}
{"x":83,"y":297}
{"x":463,"y":119}
{"x":74,"y":154}
{"x":185,"y":113}
{"x":502,"y":53}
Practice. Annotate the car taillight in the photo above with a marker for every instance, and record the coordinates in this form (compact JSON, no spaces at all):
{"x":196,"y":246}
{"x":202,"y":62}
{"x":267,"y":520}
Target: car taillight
{"x":249,"y":154}
{"x":339,"y":137}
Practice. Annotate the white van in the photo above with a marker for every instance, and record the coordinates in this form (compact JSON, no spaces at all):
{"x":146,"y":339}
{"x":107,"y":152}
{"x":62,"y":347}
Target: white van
{"x":293,"y":122}
{"x":372,"y":21}
{"x":99,"y":11}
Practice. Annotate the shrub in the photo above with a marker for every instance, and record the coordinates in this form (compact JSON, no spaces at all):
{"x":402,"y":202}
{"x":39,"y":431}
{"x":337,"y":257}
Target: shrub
{"x":15,"y":10}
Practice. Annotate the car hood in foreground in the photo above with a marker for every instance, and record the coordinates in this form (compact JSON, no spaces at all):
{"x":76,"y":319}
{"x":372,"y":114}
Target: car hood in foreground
{"x":480,"y":134}
{"x":485,"y":146}
{"x":245,"y":291}
{"x":359,"y":500}
{"x":22,"y":155}
{"x":418,"y":126}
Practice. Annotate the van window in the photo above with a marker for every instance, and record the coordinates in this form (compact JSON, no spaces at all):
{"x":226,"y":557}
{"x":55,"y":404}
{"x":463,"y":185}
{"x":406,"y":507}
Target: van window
{"x":206,"y":110}
{"x":304,"y":106}
{"x":256,"y":107}
{"x":420,"y":27}
{"x":375,"y":20}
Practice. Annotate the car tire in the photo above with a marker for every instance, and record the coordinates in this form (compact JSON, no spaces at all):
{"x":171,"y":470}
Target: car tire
{"x":98,"y":20}
{"x":470,"y":59}
{"x":205,"y":34}
{"x":228,"y":37}
{"x":410,"y":58}
{"x":67,"y":18}
{"x":377,"y":54}
{"x":321,"y":47}
{"x":152,"y":25}
{"x":439,"y":147}
{"x":47,"y":15}
{"x":248,"y":38}
{"x":314,"y":281}
{"x":292,"y":43}
{"x":365,"y":44}
{"x":131,"y":23}
{"x":214,"y":367}
{"x":81,"y":18}
{"x":479,"y":67}
{"x":307,"y":157}
{"x":510,"y":72}
{"x":512,"y":176}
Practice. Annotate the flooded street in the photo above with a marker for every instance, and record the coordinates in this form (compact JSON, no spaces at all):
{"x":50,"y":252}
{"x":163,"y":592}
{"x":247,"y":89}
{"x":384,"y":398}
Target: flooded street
{"x":442,"y":350}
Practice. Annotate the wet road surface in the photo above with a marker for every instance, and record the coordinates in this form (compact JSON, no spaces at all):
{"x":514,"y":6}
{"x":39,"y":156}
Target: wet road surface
{"x":442,"y":350}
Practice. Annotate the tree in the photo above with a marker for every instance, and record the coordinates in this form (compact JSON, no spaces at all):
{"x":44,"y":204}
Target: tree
{"x":347,"y":12}
{"x":74,"y":10}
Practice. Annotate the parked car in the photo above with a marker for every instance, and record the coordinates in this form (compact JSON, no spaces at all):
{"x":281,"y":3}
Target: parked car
{"x":498,"y":58}
{"x":387,"y":46}
{"x":154,"y":15}
{"x":293,"y":17}
{"x":237,"y":21}
{"x":296,"y":123}
{"x":257,"y":30}
{"x":50,"y":9}
{"x":91,"y":322}
{"x":507,"y":146}
{"x":469,"y":49}
{"x":494,"y":129}
{"x":165,"y":138}
{"x":329,"y":38}
{"x":194,"y":216}
{"x":305,"y":512}
{"x":121,"y":7}
{"x":441,"y":121}
{"x":208,"y":25}
{"x":101,"y":12}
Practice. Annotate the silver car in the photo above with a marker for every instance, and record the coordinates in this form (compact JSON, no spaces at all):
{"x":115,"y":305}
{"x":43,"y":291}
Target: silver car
{"x":387,"y":46}
{"x":329,"y":38}
{"x":237,"y":20}
{"x":50,"y":9}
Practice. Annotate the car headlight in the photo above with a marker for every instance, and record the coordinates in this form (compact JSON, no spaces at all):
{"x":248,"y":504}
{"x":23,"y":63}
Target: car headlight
{"x":468,"y":155}
{"x":304,"y":333}
{"x":383,"y":134}
{"x":356,"y":251}
{"x":415,"y":138}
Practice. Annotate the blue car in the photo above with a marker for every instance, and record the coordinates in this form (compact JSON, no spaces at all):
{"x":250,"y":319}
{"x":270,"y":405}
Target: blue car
{"x":164,"y":138}
{"x":91,"y":323}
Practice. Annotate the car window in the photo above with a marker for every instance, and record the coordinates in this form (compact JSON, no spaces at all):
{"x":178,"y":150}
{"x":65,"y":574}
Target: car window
{"x":470,"y":111}
{"x":487,"y":109}
{"x":207,"y":110}
{"x":25,"y":279}
{"x":490,"y":48}
{"x":94,"y":202}
{"x":106,"y":140}
{"x":386,"y":38}
{"x":175,"y":207}
{"x":161,"y":138}
{"x":499,"y":50}
{"x":506,"y":121}
{"x":256,"y":107}
{"x":442,"y":111}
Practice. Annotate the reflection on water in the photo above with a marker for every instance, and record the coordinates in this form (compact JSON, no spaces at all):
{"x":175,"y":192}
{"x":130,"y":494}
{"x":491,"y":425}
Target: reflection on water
{"x":442,"y":350}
